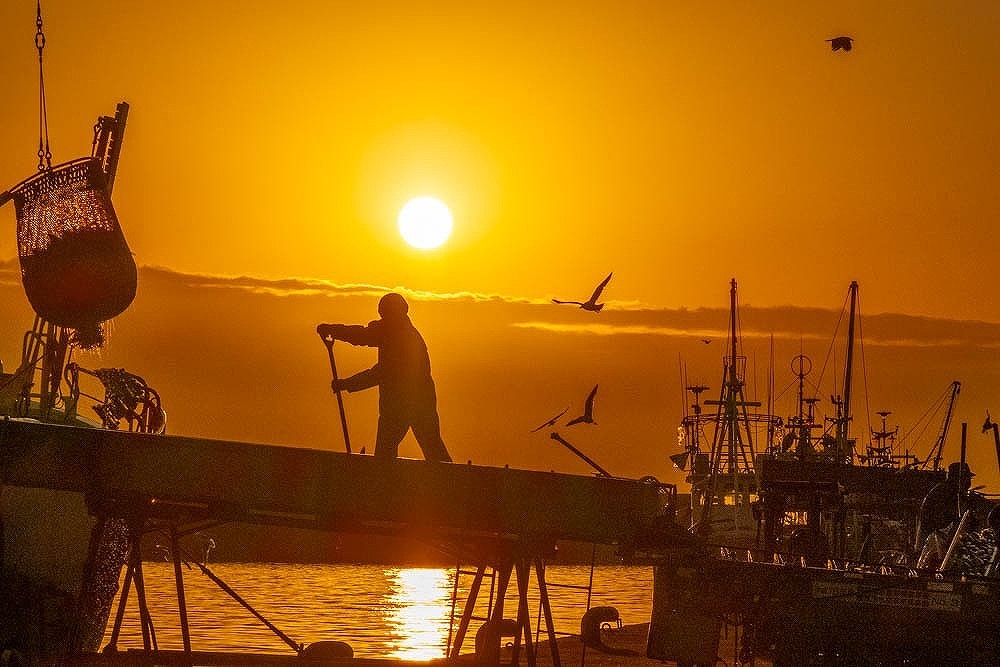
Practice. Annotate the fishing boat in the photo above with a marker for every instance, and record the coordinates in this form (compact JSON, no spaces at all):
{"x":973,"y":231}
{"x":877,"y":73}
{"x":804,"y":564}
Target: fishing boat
{"x":816,"y":551}
{"x":792,"y":611}
{"x":719,"y":441}
{"x":59,"y":565}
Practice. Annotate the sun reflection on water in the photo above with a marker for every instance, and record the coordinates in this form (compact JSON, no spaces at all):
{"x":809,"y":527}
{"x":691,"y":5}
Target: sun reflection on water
{"x":380,"y":611}
{"x":419,"y":605}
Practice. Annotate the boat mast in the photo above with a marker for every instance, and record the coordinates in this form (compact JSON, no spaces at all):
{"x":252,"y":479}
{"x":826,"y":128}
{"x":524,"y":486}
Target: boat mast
{"x":731,"y":469}
{"x":804,"y":421}
{"x":843,"y":424}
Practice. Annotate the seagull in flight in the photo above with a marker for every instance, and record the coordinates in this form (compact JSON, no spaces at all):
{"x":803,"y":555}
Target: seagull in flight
{"x":591,"y":303}
{"x":588,"y":410}
{"x":838,"y":43}
{"x":550,"y":422}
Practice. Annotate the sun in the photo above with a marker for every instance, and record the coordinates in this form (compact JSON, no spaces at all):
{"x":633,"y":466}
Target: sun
{"x":425,"y":222}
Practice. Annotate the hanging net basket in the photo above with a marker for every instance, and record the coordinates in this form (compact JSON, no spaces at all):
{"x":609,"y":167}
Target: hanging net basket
{"x":76,"y":267}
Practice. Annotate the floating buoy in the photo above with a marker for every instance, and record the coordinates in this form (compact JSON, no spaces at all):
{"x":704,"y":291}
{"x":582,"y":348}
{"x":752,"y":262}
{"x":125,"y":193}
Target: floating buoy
{"x":327,"y":650}
{"x":596,"y":619}
{"x":489,"y":636}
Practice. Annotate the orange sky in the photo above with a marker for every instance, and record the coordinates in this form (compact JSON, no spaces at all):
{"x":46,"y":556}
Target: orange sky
{"x":677,"y":144}
{"x":674,"y":143}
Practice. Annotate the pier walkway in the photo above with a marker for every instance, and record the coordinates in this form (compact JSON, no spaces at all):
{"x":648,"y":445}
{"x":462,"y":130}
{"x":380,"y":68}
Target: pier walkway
{"x":503,"y":521}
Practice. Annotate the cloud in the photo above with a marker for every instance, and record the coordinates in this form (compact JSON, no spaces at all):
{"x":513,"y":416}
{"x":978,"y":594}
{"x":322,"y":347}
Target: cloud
{"x":600,"y":329}
{"x":942,"y":339}
{"x":622,"y":318}
{"x":311,"y":286}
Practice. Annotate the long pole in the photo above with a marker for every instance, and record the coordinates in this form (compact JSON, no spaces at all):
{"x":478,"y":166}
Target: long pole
{"x":340,"y":399}
{"x":996,"y":441}
{"x":604,"y":473}
{"x":962,"y":477}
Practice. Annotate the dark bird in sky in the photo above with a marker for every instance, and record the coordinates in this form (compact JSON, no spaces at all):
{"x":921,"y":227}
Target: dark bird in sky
{"x":706,"y":341}
{"x":551,"y":421}
{"x":591,"y":304}
{"x":588,"y":410}
{"x":838,"y":43}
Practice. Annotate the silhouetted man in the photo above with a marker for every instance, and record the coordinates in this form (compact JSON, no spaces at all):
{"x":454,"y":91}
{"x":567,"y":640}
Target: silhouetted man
{"x":403,"y":375}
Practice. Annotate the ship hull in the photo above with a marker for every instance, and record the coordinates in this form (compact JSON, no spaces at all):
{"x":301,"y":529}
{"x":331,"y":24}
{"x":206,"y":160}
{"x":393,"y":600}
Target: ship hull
{"x":795,"y":615}
{"x":59,"y":569}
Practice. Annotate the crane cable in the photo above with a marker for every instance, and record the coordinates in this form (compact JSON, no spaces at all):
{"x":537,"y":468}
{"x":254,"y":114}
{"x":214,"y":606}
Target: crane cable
{"x":829,"y":351}
{"x":44,"y":152}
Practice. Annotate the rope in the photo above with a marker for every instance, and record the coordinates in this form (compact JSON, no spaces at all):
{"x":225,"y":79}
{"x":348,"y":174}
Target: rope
{"x":44,"y":152}
{"x":189,"y":560}
{"x":829,"y":350}
{"x":924,"y":423}
{"x":246,"y":605}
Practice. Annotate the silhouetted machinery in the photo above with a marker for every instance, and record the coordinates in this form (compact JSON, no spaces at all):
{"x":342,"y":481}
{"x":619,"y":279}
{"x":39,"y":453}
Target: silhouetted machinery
{"x":76,"y":267}
{"x":126,"y":398}
{"x":77,"y":273}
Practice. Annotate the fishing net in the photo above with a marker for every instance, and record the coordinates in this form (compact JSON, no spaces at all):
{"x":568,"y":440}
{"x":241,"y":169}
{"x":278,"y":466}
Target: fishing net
{"x":76,"y":267}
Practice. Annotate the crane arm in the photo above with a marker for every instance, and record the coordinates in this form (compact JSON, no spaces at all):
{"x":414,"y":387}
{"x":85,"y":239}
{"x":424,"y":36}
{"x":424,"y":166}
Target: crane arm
{"x":937,"y":451}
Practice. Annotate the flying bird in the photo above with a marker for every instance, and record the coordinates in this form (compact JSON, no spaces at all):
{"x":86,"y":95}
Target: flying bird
{"x":588,"y":410}
{"x":838,"y":43}
{"x":591,"y":304}
{"x":550,"y":422}
{"x":706,"y":341}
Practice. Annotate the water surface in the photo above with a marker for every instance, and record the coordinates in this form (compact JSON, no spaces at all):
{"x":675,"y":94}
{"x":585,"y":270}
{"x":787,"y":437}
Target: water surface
{"x":380,"y":611}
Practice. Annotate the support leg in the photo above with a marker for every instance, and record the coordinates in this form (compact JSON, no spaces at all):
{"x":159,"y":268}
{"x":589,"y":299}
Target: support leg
{"x":470,"y":605}
{"x":175,"y":551}
{"x":145,"y":621}
{"x":543,"y":596}
{"x":590,"y":591}
{"x":523,"y":616}
{"x":120,"y":613}
{"x":451,"y":617}
{"x":490,"y":654}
